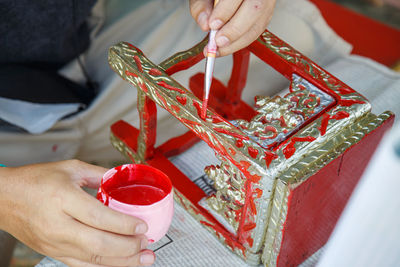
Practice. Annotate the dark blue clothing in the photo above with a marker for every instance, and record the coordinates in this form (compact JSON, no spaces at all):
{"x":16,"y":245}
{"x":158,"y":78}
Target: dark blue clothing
{"x":47,"y":33}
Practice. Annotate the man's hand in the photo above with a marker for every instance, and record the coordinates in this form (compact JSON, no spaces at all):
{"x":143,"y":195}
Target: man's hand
{"x":44,"y":206}
{"x":239,"y":22}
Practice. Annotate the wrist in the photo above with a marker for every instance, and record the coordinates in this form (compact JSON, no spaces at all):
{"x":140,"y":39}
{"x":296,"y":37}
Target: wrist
{"x":8,"y":197}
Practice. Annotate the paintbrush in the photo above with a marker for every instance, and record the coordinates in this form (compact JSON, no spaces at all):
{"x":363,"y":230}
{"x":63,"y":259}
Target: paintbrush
{"x":210,"y":60}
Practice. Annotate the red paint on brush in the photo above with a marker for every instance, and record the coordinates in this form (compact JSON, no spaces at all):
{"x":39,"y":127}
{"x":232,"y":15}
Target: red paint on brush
{"x":203,"y":114}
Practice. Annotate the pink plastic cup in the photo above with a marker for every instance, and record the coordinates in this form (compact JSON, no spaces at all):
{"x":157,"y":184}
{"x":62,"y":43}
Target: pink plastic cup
{"x":141,"y":191}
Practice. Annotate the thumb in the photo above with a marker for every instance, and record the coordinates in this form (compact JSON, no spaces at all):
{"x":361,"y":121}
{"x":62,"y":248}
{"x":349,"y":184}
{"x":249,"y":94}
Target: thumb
{"x":201,"y":10}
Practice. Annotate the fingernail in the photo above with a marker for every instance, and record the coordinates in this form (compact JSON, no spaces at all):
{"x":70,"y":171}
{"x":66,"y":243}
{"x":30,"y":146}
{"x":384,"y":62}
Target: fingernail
{"x":141,"y":228}
{"x":144,"y":243}
{"x":146,"y":258}
{"x":222,"y":41}
{"x":216,"y":24}
{"x":202,"y":20}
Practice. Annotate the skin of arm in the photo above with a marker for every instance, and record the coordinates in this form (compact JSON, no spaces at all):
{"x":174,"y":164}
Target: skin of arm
{"x":239,"y":22}
{"x":45,"y":207}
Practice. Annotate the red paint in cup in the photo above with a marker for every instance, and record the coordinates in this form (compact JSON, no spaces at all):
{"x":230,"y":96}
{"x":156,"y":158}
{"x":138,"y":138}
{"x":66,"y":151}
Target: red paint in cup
{"x":141,"y":191}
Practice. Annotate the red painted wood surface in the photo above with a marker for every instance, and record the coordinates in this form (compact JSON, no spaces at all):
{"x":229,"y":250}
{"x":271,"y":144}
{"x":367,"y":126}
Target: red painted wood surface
{"x":238,"y":77}
{"x":148,"y":123}
{"x":126,"y":133}
{"x":315,"y":205}
{"x":176,"y":145}
{"x":369,"y":38}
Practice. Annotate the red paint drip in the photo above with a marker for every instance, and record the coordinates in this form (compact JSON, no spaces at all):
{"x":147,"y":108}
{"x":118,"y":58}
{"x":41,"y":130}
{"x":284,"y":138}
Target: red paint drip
{"x":349,"y":102}
{"x":252,"y":152}
{"x":198,"y":109}
{"x":302,"y":87}
{"x":269,"y":157}
{"x":239,"y":143}
{"x":130,"y":73}
{"x":236,"y":135}
{"x":162,"y":100}
{"x":289,"y":150}
{"x":307,"y":101}
{"x":253,"y":209}
{"x":176,"y":108}
{"x":245,"y":164}
{"x":237,"y":214}
{"x":155,"y":72}
{"x":138,"y":194}
{"x":54,"y":148}
{"x":326,"y":118}
{"x":138,"y":63}
{"x":272,"y":129}
{"x":249,"y":226}
{"x":232,"y":151}
{"x":135,"y":48}
{"x":170,"y":87}
{"x":181,"y":99}
{"x":282,"y":121}
{"x":259,"y":192}
{"x":189,"y":122}
{"x":250,"y":241}
{"x":216,"y":119}
{"x":143,"y":87}
{"x":345,"y":90}
{"x":254,"y":178}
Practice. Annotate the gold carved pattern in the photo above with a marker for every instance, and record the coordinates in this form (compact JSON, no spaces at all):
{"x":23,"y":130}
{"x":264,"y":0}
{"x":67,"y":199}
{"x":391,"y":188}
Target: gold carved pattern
{"x":229,"y":199}
{"x":184,"y":55}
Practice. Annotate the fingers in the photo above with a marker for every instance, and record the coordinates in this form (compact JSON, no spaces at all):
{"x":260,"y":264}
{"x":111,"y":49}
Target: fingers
{"x":252,"y":34}
{"x":82,"y":173}
{"x":92,"y":245}
{"x":201,"y":10}
{"x":239,"y":22}
{"x":223,"y":12}
{"x":144,"y":258}
{"x":92,"y":212}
